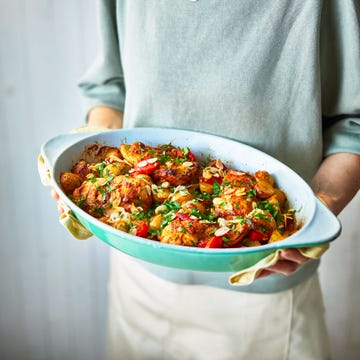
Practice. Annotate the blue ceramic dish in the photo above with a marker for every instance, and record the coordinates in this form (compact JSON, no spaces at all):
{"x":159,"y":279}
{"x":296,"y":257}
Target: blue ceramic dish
{"x":319,"y":224}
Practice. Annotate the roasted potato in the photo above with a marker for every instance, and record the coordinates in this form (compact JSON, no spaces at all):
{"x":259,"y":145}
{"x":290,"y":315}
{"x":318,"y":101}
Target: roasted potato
{"x":70,"y":181}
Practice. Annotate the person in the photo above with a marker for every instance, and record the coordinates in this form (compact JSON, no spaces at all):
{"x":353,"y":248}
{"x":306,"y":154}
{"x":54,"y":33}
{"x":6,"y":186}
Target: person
{"x":282,"y":76}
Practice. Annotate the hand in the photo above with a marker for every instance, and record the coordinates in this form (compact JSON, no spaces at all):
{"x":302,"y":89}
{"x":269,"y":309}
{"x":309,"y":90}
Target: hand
{"x":56,"y":197}
{"x":335,"y":183}
{"x":290,"y":261}
{"x":105,"y":117}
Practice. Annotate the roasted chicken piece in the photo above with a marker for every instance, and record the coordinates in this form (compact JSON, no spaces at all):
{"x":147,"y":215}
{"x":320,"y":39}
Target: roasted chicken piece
{"x":136,"y":152}
{"x":119,"y":191}
{"x":133,"y":153}
{"x":177,"y":174}
{"x":92,"y":196}
{"x":232,"y":202}
{"x":263,"y":224}
{"x":193,"y":207}
{"x":165,"y":163}
{"x":232,"y":231}
{"x":235,"y":196}
{"x":177,"y":166}
{"x":131,"y":190}
{"x":186,"y":231}
{"x":239,"y":179}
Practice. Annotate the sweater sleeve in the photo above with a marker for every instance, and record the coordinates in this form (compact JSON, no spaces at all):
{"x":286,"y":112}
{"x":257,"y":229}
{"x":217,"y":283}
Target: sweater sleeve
{"x":340,"y":76}
{"x":103,"y":84}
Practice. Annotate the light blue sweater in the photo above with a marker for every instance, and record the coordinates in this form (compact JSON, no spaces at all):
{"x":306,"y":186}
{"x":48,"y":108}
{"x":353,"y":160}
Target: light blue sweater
{"x":282,"y":76}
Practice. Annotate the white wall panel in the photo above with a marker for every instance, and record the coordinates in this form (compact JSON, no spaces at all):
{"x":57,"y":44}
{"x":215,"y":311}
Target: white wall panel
{"x":53,"y":288}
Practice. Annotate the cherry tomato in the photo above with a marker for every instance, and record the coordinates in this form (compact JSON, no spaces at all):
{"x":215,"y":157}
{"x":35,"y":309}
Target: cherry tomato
{"x":142,"y":230}
{"x":213,"y":242}
{"x":257,"y":236}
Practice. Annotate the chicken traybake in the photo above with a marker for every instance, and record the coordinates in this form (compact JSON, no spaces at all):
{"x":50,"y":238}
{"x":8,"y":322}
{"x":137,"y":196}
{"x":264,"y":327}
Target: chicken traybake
{"x":166,"y":194}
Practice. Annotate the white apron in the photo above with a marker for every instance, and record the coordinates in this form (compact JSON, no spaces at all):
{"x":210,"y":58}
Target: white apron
{"x":151,"y":318}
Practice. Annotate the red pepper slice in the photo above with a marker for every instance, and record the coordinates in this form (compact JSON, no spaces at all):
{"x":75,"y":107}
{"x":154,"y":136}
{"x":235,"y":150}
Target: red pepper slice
{"x":142,"y":230}
{"x":256,"y":236}
{"x":182,"y":216}
{"x":212,"y":180}
{"x":147,"y":169}
{"x":190,"y":156}
{"x":213,"y":242}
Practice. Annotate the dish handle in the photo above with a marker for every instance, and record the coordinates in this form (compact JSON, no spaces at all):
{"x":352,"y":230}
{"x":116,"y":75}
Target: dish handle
{"x":49,"y":152}
{"x":46,"y":160}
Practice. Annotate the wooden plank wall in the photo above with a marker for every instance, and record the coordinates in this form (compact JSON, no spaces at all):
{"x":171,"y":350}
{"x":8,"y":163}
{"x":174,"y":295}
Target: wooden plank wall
{"x":53,"y":288}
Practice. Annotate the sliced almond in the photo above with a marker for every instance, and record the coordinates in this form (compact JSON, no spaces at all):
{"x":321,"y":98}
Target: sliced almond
{"x":222,"y":222}
{"x":152,"y":160}
{"x":219,"y":164}
{"x":148,"y":189}
{"x":240,"y":192}
{"x":207,"y":174}
{"x":187,"y":163}
{"x":229,"y":191}
{"x":160,"y":208}
{"x":217,"y":201}
{"x":165,"y":185}
{"x":221,"y":231}
{"x":142,"y":163}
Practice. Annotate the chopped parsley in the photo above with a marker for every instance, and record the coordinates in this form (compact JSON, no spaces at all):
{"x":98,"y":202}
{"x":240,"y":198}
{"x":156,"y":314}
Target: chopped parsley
{"x":172,"y":205}
{"x":99,"y":211}
{"x":216,"y":189}
{"x":101,"y":168}
{"x":272,"y":208}
{"x":251,"y":194}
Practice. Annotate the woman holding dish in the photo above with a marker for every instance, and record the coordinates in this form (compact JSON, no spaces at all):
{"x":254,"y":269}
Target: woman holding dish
{"x":282,"y":77}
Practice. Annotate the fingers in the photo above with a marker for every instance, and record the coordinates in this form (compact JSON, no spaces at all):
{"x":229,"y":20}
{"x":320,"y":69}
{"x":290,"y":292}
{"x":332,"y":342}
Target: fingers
{"x":54,"y":194}
{"x":290,"y":260}
{"x":264,"y":273}
{"x":281,"y":267}
{"x":60,"y":208}
{"x":293,"y":255}
{"x":284,"y":267}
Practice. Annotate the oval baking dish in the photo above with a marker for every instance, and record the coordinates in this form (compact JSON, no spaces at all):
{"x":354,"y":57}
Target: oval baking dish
{"x":319,"y":225}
